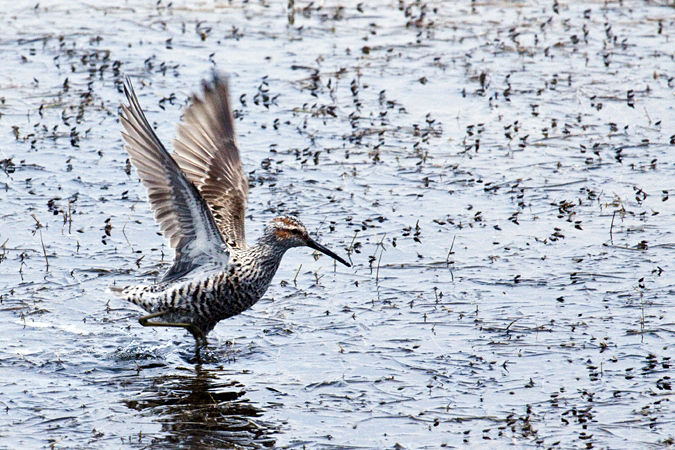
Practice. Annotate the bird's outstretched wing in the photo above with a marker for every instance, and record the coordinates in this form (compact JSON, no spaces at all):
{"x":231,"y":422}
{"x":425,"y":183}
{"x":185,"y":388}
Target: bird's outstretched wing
{"x":206,"y":150}
{"x":183,"y":216}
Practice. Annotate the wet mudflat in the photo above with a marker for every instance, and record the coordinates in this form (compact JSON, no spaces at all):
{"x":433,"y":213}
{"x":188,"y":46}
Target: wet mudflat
{"x":498,"y":172}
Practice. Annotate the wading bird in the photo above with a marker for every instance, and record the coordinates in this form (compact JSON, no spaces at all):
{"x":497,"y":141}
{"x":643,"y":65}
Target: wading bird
{"x":198,"y":195}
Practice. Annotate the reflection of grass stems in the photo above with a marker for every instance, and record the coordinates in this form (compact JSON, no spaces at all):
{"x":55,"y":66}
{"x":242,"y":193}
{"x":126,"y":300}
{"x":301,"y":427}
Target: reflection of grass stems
{"x":44,"y":251}
{"x":23,"y":263}
{"x":127,"y":221}
{"x":38,"y":227}
{"x":447,"y":259}
{"x":380,"y":243}
{"x":3,"y":256}
{"x":611,"y":237}
{"x":622,"y":210}
{"x":642,"y":310}
{"x":642,"y":317}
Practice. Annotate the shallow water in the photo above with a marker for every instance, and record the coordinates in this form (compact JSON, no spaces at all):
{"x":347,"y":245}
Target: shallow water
{"x":498,"y":172}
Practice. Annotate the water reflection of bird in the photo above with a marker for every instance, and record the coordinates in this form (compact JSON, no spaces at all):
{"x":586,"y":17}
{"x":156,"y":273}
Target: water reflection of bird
{"x":199,"y":195}
{"x":203,"y":409}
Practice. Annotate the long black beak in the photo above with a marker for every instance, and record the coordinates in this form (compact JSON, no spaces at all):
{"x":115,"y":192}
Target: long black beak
{"x":316,"y":246}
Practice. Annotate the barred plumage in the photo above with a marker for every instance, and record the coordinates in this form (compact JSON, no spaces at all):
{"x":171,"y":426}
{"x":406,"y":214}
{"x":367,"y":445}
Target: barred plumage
{"x":199,"y":195}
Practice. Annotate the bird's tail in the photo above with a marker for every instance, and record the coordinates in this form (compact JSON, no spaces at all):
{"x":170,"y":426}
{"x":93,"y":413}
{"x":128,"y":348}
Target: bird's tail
{"x":138,"y":295}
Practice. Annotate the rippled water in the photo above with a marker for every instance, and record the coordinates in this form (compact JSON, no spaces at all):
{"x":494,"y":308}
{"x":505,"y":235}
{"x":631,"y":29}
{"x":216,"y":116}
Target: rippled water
{"x":498,"y":172}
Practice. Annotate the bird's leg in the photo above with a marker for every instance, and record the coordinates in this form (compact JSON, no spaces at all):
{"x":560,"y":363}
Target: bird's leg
{"x":193,"y":329}
{"x":198,"y":356}
{"x":199,"y":336}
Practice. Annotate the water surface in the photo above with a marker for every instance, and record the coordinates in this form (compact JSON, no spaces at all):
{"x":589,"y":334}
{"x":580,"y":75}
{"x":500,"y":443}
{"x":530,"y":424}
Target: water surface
{"x":498,"y":172}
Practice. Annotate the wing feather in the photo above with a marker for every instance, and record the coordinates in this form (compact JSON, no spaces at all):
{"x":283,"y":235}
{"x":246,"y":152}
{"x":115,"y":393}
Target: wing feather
{"x":206,"y":151}
{"x":180,"y":210}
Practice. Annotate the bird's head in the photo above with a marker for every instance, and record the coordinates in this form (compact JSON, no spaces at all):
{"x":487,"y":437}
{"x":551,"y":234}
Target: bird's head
{"x":289,"y":232}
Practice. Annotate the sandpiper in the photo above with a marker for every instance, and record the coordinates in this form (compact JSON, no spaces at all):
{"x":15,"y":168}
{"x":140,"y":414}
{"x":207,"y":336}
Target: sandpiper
{"x":198,"y":195}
